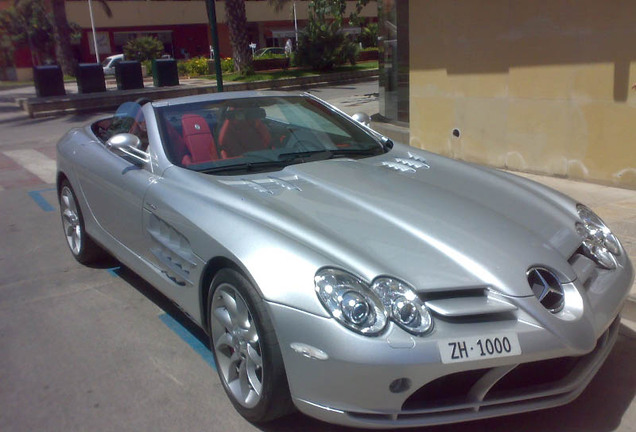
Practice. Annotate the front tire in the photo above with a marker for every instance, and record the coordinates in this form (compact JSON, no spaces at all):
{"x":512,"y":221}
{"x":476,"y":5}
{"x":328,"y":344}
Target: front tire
{"x":246,"y":350}
{"x":83,"y":248}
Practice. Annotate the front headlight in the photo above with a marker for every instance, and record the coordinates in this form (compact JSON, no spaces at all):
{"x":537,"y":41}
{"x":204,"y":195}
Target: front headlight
{"x":598,"y":241}
{"x":404,"y":306}
{"x":367,"y":309}
{"x":350,"y":301}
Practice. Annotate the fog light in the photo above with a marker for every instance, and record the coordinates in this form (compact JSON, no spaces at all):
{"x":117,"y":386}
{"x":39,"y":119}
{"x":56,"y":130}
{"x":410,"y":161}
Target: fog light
{"x":400,"y":385}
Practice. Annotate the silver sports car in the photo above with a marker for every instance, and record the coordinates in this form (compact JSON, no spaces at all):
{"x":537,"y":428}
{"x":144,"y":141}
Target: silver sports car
{"x":363,"y":282}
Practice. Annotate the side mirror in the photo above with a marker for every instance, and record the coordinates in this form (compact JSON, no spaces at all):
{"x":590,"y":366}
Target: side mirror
{"x":128,"y":145}
{"x":362,"y":118}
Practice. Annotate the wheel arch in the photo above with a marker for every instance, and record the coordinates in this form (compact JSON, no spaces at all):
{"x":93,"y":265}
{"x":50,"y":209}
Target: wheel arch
{"x":61,"y":177}
{"x":210,"y":270}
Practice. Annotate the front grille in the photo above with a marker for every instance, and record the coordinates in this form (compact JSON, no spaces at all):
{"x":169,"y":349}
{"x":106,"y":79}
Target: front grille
{"x":445,"y":391}
{"x":533,"y":377}
{"x":540,"y":380}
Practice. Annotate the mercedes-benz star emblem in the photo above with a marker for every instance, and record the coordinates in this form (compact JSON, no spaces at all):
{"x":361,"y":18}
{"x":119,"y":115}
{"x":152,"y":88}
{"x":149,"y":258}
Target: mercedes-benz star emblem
{"x":547,"y":288}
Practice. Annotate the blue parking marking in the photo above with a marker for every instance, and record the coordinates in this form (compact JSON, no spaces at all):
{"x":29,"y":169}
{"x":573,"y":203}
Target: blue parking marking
{"x":189,"y":338}
{"x":40,"y":200}
{"x":113,"y":271}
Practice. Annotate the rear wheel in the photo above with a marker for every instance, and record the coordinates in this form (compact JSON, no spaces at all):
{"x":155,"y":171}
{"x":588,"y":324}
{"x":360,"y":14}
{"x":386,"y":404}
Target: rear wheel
{"x":83,"y":248}
{"x":246,"y":350}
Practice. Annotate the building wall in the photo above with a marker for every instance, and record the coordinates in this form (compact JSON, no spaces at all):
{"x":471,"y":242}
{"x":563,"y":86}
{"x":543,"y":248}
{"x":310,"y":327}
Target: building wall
{"x":187,"y":20}
{"x":531,"y":85}
{"x":148,"y":13}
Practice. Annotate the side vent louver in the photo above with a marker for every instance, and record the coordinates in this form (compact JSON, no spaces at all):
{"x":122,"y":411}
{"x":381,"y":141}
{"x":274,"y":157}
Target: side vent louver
{"x":270,"y":185}
{"x":172,"y":251}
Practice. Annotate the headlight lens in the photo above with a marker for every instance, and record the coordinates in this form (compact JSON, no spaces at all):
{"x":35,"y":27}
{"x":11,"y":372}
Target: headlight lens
{"x":403,"y":305}
{"x":598,"y":241}
{"x":367,"y":309}
{"x":349,"y":301}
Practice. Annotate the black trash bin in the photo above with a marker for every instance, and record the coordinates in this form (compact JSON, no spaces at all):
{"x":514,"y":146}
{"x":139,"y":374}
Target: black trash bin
{"x":48,"y":80}
{"x":128,"y":75}
{"x":90,"y":78}
{"x":165,"y":73}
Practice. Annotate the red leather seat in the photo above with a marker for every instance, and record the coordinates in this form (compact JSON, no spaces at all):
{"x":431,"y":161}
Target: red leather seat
{"x":243,"y":131}
{"x":177,"y":145}
{"x":198,"y":140}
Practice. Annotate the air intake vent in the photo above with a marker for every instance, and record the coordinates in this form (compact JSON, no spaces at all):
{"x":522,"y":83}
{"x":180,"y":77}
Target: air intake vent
{"x":411,"y":164}
{"x":468,"y":305}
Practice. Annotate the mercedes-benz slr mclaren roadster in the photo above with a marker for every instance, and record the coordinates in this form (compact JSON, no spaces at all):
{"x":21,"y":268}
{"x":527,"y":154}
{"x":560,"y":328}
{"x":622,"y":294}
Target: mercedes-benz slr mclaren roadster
{"x":363,"y":282}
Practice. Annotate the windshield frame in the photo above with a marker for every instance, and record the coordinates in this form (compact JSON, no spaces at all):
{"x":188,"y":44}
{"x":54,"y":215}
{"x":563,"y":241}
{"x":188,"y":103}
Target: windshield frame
{"x":357,"y":140}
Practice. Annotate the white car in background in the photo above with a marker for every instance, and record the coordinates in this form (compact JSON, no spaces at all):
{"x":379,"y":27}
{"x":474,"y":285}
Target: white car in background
{"x":110,"y":62}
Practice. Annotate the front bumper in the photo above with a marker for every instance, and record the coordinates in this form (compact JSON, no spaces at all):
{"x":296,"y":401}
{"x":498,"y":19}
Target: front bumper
{"x":353,"y":379}
{"x":486,"y":394}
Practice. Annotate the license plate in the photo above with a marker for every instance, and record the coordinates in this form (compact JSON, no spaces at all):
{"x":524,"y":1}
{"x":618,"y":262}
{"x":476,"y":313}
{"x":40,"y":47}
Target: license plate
{"x":479,"y":347}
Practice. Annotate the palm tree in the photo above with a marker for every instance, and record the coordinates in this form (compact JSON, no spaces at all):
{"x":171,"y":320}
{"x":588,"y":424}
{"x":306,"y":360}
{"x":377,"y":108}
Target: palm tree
{"x":62,"y":37}
{"x":237,"y":24}
{"x":62,"y":34}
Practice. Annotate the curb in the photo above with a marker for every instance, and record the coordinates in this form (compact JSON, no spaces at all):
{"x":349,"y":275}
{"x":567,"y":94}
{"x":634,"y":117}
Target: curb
{"x":629,"y":309}
{"x":76,"y":102}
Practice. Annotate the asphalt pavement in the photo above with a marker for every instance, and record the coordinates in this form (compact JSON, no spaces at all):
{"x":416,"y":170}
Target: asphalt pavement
{"x":98,"y":349}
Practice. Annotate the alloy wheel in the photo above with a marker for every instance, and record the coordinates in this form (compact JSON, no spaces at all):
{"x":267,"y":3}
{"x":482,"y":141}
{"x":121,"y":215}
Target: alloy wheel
{"x":237,"y":345}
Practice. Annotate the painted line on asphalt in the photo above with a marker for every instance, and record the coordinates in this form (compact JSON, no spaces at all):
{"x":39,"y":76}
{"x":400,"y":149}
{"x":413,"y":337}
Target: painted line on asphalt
{"x":188,"y":338}
{"x":35,"y":162}
{"x":40,"y":200}
{"x":113,"y":271}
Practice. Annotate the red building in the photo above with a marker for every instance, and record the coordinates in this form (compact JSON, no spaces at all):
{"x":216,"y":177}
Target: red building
{"x":182,"y":26}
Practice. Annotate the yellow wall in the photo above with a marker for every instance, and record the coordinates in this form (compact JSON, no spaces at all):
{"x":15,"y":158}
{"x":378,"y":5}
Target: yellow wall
{"x":532,"y":85}
{"x":149,"y":13}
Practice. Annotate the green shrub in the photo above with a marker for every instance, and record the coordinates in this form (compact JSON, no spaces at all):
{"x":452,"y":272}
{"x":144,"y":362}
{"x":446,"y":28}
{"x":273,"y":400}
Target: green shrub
{"x":147,"y":64}
{"x":182,"y":68}
{"x":196,"y":66}
{"x":143,"y":48}
{"x":227,"y":65}
{"x":323,"y":45}
{"x":369,"y":36}
{"x":270,"y":56}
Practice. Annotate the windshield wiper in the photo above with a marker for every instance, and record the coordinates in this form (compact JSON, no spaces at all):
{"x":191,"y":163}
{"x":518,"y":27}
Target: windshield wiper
{"x":373,"y":151}
{"x":246,"y":166}
{"x":305,"y":156}
{"x":317,"y":155}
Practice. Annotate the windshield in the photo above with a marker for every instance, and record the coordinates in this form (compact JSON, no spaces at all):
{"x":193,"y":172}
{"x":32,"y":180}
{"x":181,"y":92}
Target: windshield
{"x":259,"y":133}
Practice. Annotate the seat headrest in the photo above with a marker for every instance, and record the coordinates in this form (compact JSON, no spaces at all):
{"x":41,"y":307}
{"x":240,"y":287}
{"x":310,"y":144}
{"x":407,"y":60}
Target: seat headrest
{"x":194,"y":124}
{"x":245,"y":113}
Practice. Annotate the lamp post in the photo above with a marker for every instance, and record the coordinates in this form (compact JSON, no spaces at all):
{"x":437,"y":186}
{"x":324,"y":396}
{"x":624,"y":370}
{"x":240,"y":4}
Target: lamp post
{"x":295,"y":24}
{"x":210,"y":5}
{"x":90,"y":12}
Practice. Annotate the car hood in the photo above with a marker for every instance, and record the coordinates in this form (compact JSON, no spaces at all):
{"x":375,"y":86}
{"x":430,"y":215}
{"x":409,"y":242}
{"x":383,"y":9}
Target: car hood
{"x":436,"y":223}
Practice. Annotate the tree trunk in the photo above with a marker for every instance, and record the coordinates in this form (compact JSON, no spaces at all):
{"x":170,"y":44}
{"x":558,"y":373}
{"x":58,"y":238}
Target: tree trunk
{"x":237,"y":24}
{"x":62,"y":38}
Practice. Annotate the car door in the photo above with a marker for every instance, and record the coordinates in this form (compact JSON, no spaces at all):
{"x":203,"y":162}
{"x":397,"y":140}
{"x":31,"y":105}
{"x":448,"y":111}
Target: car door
{"x":114,"y":185}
